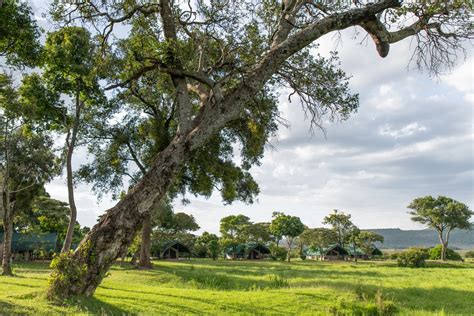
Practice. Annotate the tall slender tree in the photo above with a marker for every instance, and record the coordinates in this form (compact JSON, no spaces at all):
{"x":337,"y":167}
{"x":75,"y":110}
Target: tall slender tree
{"x":219,"y":57}
{"x":26,"y":163}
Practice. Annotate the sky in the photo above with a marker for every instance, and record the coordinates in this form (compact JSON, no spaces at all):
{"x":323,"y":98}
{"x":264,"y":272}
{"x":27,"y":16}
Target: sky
{"x":412,"y":136}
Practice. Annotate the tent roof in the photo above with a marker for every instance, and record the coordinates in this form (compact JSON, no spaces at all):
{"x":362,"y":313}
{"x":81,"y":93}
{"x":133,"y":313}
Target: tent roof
{"x":175,"y":244}
{"x":33,"y":241}
{"x":244,"y":248}
{"x":324,"y":251}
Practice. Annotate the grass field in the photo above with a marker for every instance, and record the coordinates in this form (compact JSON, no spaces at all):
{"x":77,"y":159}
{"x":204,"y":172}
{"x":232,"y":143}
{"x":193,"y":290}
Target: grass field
{"x":265,"y":287}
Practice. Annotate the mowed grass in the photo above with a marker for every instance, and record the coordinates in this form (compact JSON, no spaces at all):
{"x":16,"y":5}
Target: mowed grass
{"x":253,"y":287}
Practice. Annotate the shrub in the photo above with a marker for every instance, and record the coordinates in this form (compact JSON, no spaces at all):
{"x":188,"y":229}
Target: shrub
{"x":413,"y":258}
{"x":435,"y":254}
{"x":66,"y":274}
{"x":278,"y":253}
{"x":394,"y":255}
{"x":302,"y":256}
{"x":469,"y":254}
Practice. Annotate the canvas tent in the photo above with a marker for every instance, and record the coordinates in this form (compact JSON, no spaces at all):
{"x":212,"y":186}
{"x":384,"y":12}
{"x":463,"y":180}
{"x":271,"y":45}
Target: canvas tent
{"x":333,"y":252}
{"x":247,"y":251}
{"x":28,"y":243}
{"x":173,"y":249}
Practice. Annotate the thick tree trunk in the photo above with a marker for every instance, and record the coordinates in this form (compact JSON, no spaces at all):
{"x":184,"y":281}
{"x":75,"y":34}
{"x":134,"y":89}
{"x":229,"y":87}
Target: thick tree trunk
{"x":71,"y":144}
{"x":145,"y":248}
{"x":116,"y":229}
{"x":7,"y":241}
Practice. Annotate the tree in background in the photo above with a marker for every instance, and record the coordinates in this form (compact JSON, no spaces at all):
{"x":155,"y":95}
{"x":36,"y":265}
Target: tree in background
{"x":222,"y":59}
{"x":214,"y":249}
{"x":288,"y":227}
{"x":69,"y":72}
{"x":26,"y":163}
{"x":202,"y":244}
{"x":341,"y":224}
{"x":367,"y":240}
{"x":260,"y":233}
{"x":19,"y":34}
{"x":320,"y":238}
{"x":443,"y":214}
{"x":234,"y":231}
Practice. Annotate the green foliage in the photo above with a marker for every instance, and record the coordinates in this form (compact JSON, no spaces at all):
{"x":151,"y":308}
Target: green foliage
{"x":214,"y":249}
{"x":278,"y":253}
{"x":413,"y":258}
{"x":341,"y":224}
{"x":441,"y":213}
{"x":469,"y":254}
{"x":19,"y":34}
{"x":286,"y":225}
{"x":435,"y":254}
{"x":66,"y":274}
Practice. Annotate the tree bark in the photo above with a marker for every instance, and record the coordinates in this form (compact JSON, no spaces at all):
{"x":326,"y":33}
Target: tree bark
{"x":71,"y":144}
{"x":7,"y":240}
{"x":145,"y":248}
{"x":116,"y":229}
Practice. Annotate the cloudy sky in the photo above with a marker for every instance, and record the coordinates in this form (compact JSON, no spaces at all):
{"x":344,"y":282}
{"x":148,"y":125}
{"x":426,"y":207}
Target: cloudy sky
{"x":412,"y":136}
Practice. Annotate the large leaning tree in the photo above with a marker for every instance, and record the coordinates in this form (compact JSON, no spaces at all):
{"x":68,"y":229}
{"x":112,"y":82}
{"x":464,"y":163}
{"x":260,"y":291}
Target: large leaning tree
{"x":443,"y":214}
{"x":222,"y":55}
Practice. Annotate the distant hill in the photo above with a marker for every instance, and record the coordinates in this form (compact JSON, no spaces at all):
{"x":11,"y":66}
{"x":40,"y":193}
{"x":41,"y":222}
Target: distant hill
{"x":396,"y":238}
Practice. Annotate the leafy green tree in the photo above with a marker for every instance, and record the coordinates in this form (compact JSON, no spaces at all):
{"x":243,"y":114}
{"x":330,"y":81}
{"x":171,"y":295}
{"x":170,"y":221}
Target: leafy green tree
{"x":341,"y":224}
{"x":320,"y":238}
{"x":234,"y":231}
{"x":222,"y":59}
{"x":19,"y":34}
{"x":443,"y":214}
{"x":286,"y":226}
{"x":260,"y":233}
{"x":26,"y":163}
{"x":214,"y":249}
{"x":201,"y":244}
{"x":69,"y":73}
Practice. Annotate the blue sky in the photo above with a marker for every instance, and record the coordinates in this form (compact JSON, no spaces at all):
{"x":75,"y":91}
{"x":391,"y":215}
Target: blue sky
{"x":412,"y":136}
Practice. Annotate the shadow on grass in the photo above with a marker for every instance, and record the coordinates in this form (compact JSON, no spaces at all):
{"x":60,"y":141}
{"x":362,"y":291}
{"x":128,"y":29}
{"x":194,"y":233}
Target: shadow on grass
{"x":94,"y":306}
{"x":451,"y":301}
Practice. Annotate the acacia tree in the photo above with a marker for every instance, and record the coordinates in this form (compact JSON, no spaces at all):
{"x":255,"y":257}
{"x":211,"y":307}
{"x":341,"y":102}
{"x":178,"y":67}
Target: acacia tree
{"x":286,"y":226}
{"x":219,"y":57}
{"x":443,"y":214}
{"x":341,"y":224}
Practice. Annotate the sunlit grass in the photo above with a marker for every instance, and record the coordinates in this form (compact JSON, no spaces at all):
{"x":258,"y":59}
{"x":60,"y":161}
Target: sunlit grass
{"x":258,"y":287}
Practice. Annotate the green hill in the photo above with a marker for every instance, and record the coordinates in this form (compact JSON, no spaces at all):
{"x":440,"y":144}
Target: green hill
{"x":396,"y":238}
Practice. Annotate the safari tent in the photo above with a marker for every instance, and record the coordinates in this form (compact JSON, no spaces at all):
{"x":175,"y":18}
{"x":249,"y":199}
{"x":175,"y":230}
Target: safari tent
{"x":251,"y":251}
{"x":173,"y":249}
{"x":29,"y":245}
{"x":333,"y":252}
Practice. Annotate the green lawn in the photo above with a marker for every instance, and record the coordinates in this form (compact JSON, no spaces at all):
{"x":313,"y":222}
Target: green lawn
{"x":244,"y":287}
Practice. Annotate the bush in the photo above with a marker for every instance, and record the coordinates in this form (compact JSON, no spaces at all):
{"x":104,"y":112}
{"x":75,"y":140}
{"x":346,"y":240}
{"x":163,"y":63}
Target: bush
{"x":413,"y":258}
{"x":394,"y":256}
{"x":66,"y":274}
{"x":302,"y":256}
{"x":435,"y":254}
{"x":469,"y":254}
{"x":278,"y":253}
